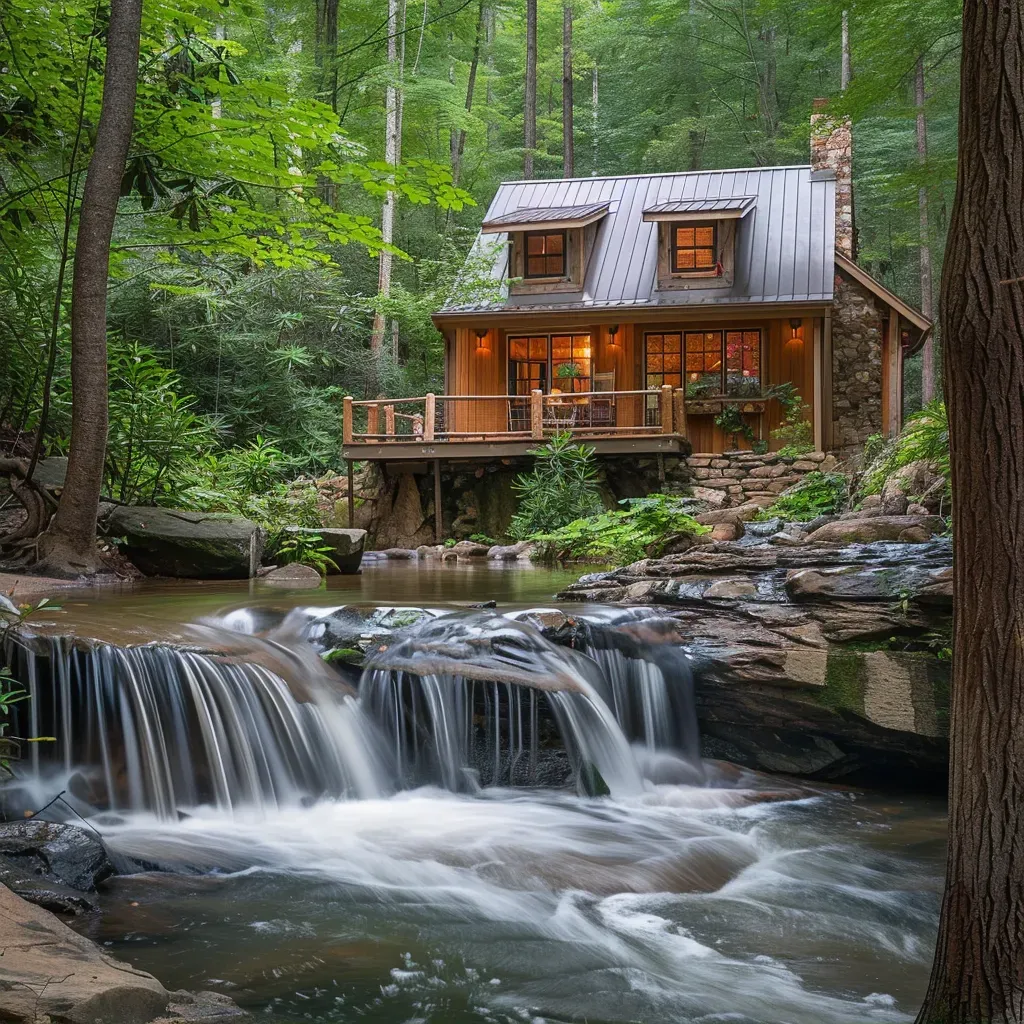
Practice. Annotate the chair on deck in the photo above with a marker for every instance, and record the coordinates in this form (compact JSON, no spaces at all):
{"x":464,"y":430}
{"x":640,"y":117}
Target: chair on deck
{"x":602,"y":409}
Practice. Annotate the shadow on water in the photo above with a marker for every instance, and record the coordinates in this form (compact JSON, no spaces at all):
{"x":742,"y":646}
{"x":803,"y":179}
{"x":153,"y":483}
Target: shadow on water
{"x":490,"y":827}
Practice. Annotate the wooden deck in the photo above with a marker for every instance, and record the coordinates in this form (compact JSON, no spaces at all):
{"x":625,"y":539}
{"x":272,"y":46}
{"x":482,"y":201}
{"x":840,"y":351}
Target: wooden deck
{"x":443,"y":426}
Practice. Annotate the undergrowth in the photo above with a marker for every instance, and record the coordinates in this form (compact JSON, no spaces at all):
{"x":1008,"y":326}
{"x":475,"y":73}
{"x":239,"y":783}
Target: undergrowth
{"x":924,"y":437}
{"x":818,"y":494}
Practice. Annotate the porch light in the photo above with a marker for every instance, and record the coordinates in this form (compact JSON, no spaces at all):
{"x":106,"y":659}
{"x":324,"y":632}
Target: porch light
{"x":613,"y":330}
{"x":796,"y":326}
{"x":481,"y":333}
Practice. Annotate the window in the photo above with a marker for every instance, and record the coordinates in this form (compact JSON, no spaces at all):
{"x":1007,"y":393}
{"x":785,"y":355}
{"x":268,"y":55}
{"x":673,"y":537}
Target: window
{"x":570,"y":362}
{"x":527,"y":365}
{"x":561,"y":361}
{"x":694,"y":248}
{"x":717,"y":363}
{"x":545,"y":254}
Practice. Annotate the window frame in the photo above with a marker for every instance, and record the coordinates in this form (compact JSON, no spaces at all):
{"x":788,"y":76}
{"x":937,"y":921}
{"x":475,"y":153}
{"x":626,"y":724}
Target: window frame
{"x":721,"y":394}
{"x":568,"y":385}
{"x":547,"y":275}
{"x":674,"y":250}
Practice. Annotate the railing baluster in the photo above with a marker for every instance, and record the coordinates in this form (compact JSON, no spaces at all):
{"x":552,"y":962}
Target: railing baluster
{"x":389,"y":420}
{"x":679,"y":412}
{"x":666,"y":408}
{"x":346,"y":419}
{"x":373,"y":419}
{"x":428,"y":417}
{"x":537,"y":414}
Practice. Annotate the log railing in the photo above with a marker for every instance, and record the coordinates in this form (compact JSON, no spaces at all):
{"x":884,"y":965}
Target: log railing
{"x":525,"y":417}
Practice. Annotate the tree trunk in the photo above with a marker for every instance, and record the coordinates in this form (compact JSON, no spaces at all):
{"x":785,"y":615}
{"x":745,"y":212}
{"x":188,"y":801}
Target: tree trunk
{"x":924,"y":246}
{"x":978,"y":973}
{"x":69,"y":546}
{"x":846,"y":74}
{"x":530,"y":98}
{"x":492,"y":28}
{"x":474,"y":65}
{"x":387,"y":220}
{"x":399,"y":115}
{"x":595,"y":121}
{"x":568,"y":156}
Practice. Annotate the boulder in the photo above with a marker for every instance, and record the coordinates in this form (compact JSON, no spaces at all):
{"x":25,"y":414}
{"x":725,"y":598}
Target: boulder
{"x":346,"y":546}
{"x":50,"y":973}
{"x":909,"y":482}
{"x":714,"y":497}
{"x":858,"y":583}
{"x":399,"y":554}
{"x":875,"y":528}
{"x":471,"y":549}
{"x":744,"y":513}
{"x":293,"y":575}
{"x":732,"y":589}
{"x":914,"y":535}
{"x":66,"y":854}
{"x":430,"y":551}
{"x":193,"y":545}
{"x":509,"y":552}
{"x":727,"y":530}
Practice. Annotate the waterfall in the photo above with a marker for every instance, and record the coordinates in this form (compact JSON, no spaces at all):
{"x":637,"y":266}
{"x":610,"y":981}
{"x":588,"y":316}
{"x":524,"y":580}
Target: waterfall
{"x":251,"y":718}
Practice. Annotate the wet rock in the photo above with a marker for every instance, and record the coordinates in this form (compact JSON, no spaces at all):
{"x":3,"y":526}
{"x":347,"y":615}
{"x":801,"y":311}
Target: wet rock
{"x":200,"y":1008}
{"x":345,"y":547}
{"x":48,"y":972}
{"x":293,"y":575}
{"x":43,"y":892}
{"x":855,"y":583}
{"x":67,"y":854}
{"x":430,"y":551}
{"x":399,"y":554}
{"x":908,"y":483}
{"x":192,"y":545}
{"x":876,"y":528}
{"x":510,"y":552}
{"x":470,"y":549}
{"x":789,"y":538}
{"x":914,"y":535}
{"x":744,"y":513}
{"x":731,"y":589}
{"x":727,"y":530}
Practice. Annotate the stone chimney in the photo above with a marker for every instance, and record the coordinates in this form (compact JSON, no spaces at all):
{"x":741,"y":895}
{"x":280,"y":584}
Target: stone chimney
{"x":832,"y":150}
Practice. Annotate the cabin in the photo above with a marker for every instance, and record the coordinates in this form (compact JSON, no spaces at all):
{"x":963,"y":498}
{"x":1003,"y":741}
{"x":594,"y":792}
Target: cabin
{"x":636,"y":310}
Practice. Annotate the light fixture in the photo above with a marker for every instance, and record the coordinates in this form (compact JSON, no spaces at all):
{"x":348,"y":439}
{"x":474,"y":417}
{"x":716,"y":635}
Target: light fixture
{"x":481,"y":333}
{"x":796,"y":326}
{"x":612,"y":331}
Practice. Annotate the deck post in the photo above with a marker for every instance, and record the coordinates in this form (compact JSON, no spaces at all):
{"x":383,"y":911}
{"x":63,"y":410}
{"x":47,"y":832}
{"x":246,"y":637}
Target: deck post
{"x":389,"y":420}
{"x":351,"y":496}
{"x":438,"y":520}
{"x":679,"y":412}
{"x":373,"y":420}
{"x":346,"y":419}
{"x":428,"y":417}
{"x":666,"y":408}
{"x":537,"y":414}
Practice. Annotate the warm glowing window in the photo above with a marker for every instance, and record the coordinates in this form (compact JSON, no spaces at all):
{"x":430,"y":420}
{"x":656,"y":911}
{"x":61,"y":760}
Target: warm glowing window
{"x":742,"y":363}
{"x":708,"y":364}
{"x":570,"y":362}
{"x":694,"y":248}
{"x":528,"y":365}
{"x":552,"y":362}
{"x":545,"y":254}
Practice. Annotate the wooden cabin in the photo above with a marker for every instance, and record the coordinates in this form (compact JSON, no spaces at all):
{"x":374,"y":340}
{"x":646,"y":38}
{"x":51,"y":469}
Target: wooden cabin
{"x":635,"y":310}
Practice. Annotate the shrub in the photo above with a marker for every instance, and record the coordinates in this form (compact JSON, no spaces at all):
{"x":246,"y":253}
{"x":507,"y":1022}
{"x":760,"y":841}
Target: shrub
{"x":730,"y":420}
{"x":818,"y":494}
{"x":626,"y":535}
{"x":796,"y":432}
{"x":561,"y":488}
{"x":924,"y":437}
{"x":303,"y":549}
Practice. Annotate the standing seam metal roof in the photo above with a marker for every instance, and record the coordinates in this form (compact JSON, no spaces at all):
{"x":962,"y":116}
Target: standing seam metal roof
{"x":785,"y":246}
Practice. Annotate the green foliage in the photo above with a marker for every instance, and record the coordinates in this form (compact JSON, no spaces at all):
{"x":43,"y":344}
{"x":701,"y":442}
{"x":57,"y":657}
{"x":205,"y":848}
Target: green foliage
{"x":797,"y":432}
{"x":621,"y":536}
{"x":924,"y":437}
{"x":816,"y":495}
{"x":303,"y":548}
{"x":561,"y":488}
{"x":482,"y":538}
{"x":731,"y":421}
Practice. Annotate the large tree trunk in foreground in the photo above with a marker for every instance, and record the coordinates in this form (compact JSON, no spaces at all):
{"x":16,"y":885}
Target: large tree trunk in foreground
{"x":69,"y":546}
{"x":530,"y":97}
{"x":924,"y":246}
{"x":978,"y":974}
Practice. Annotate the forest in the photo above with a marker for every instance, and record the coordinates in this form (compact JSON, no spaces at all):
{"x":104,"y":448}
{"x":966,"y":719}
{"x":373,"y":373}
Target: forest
{"x":304,"y":180}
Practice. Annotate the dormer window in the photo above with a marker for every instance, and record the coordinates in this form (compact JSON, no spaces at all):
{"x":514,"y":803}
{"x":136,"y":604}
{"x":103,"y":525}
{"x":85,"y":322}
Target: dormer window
{"x":694,"y":248}
{"x":545,"y":254}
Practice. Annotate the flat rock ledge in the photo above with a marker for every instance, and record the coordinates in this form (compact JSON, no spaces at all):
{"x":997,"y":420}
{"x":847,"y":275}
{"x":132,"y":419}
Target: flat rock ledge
{"x":49,"y":973}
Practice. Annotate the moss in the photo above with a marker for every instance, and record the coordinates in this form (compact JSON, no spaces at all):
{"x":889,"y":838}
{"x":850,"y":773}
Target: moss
{"x":844,"y":681}
{"x":346,"y":654}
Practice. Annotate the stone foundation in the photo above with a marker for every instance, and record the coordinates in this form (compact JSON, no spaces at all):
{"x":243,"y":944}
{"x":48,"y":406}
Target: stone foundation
{"x":739,"y":478}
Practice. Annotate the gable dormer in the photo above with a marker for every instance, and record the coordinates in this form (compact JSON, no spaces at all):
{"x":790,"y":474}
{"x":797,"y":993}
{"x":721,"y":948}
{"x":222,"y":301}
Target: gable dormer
{"x":697,"y":241}
{"x":548,"y":247}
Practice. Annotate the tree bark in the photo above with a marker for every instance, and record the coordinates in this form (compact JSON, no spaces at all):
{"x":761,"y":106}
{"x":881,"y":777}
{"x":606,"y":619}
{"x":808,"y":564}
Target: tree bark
{"x":924,"y":245}
{"x":595,"y":121}
{"x":978,"y":972}
{"x":69,"y":545}
{"x":474,"y":66}
{"x":568,"y":156}
{"x":846,"y":73}
{"x":530,"y":97}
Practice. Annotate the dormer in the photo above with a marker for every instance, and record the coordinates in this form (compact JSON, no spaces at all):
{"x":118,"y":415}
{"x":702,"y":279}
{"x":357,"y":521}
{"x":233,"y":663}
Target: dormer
{"x":697,"y":241}
{"x":548,"y":247}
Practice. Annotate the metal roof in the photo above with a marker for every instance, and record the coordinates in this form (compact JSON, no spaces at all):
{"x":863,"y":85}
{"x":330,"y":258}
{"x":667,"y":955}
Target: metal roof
{"x":703,"y":205}
{"x":785,"y":247}
{"x":547,"y":215}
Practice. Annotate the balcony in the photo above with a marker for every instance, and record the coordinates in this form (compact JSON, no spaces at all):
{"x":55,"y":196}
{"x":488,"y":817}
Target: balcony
{"x":474,"y":426}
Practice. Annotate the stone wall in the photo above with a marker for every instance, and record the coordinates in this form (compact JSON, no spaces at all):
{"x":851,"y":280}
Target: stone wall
{"x":857,"y":332}
{"x":738,"y":478}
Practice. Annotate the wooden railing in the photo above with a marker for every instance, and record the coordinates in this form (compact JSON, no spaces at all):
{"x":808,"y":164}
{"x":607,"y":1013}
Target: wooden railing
{"x":525,"y":417}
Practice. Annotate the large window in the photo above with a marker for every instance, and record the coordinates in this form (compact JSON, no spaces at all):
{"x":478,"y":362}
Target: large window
{"x":694,"y":248}
{"x":709,"y":364}
{"x":550,"y":362}
{"x":545,"y":254}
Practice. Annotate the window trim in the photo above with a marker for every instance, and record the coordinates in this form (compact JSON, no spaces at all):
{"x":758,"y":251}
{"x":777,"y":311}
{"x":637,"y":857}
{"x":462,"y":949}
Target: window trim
{"x":546,"y":276}
{"x":550,"y":380}
{"x":673,"y":250}
{"x":721,"y":394}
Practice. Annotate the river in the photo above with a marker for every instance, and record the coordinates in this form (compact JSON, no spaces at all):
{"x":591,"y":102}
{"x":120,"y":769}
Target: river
{"x":729,"y":897}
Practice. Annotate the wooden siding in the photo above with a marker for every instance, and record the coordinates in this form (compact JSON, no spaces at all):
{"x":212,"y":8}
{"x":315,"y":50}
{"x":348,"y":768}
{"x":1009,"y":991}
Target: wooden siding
{"x":479,"y":369}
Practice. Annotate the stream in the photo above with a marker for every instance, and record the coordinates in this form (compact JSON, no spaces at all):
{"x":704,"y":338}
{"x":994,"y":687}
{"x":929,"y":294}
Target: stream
{"x":486,"y":826}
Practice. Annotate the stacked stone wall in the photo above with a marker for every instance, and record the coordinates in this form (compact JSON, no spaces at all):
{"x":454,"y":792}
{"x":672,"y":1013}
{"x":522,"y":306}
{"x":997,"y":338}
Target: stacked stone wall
{"x":740,"y":478}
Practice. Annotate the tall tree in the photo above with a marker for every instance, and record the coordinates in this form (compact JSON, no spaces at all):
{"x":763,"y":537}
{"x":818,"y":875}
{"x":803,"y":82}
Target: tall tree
{"x":69,"y":546}
{"x":530,"y":97}
{"x":568,"y":158}
{"x":846,"y":71}
{"x":459,"y":149}
{"x":978,"y":972}
{"x":928,"y":355}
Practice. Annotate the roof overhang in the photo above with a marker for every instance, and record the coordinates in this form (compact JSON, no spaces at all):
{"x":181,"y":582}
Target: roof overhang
{"x":919,"y":320}
{"x":553,"y":218}
{"x":682,"y":210}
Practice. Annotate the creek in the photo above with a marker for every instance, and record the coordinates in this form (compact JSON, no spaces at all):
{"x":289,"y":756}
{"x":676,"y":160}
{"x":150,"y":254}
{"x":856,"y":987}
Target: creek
{"x":480,"y":825}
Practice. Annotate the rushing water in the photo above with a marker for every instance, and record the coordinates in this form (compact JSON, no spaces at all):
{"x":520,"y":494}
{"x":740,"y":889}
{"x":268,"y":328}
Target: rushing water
{"x":431,"y":845}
